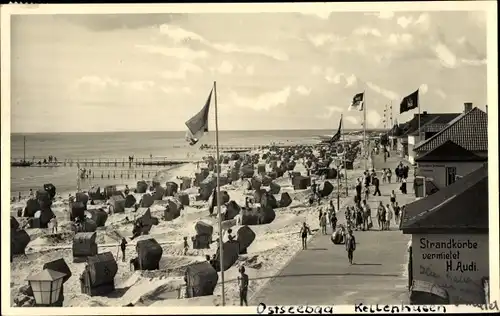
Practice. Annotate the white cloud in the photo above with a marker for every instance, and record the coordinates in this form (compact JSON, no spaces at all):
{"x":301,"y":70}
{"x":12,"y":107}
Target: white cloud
{"x":225,"y":67}
{"x":352,"y":119}
{"x":182,"y":71}
{"x":473,"y":62}
{"x":423,"y":21}
{"x":441,"y":93}
{"x":250,"y":70}
{"x":387,"y":93}
{"x":321,"y":39}
{"x":461,"y":40}
{"x":404,"y":21}
{"x":264,"y":101}
{"x":317,"y":12}
{"x":386,"y":15}
{"x":397,"y":39}
{"x":303,"y":90}
{"x":351,"y":80}
{"x":180,"y":35}
{"x":232,"y":48}
{"x":424,"y":88}
{"x":97,"y":82}
{"x":187,"y":90}
{"x":141,"y":85}
{"x":367,"y":31}
{"x":445,"y":56}
{"x":373,"y":118}
{"x":177,"y":52}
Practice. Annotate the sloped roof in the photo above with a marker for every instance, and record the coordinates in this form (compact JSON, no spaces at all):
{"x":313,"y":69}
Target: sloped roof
{"x":449,"y":151}
{"x":427,"y":118}
{"x":469,"y":130}
{"x":462,"y":206}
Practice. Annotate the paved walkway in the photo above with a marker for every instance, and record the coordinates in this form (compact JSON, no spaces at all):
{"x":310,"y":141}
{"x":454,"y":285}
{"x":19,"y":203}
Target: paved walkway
{"x":321,"y":275}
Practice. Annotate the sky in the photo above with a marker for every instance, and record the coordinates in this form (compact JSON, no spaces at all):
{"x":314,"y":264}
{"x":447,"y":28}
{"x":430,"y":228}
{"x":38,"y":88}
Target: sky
{"x":152,"y":72}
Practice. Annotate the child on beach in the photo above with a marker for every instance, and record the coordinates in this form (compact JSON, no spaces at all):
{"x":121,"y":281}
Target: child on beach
{"x":53,"y":224}
{"x":243,"y":286}
{"x":186,"y":245}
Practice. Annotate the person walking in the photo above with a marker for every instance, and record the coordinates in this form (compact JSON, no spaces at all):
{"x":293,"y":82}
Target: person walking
{"x":403,"y":186}
{"x":367,"y":193}
{"x":347,"y":215}
{"x":376,"y":184}
{"x":358,"y":189}
{"x":367,"y":216}
{"x":388,"y":217}
{"x":333,"y":221}
{"x":393,"y":198}
{"x":389,"y":175}
{"x":350,"y":245}
{"x":304,"y":231}
{"x":322,"y":223}
{"x":243,"y":285}
{"x":380,"y":215}
{"x":123,"y":246}
{"x":384,"y":175}
{"x":397,"y":213}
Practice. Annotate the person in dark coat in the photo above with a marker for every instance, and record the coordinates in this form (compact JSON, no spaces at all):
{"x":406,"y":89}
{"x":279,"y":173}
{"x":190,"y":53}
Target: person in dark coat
{"x":376,"y":184}
{"x":358,"y":189}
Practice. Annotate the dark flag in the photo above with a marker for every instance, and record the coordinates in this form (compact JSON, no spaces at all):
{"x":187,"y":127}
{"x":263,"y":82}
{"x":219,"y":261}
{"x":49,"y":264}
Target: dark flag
{"x":198,"y":124}
{"x":409,"y":102}
{"x":335,"y":138}
{"x":357,"y":102}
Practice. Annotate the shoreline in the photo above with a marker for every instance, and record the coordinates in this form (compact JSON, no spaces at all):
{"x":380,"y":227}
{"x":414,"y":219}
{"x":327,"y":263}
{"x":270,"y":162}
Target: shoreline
{"x":272,"y":249}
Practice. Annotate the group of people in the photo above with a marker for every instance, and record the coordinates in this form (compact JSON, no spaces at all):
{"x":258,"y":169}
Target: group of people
{"x":327,"y":215}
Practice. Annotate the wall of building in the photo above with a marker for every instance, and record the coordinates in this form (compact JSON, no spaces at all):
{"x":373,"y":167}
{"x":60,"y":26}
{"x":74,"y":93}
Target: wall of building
{"x":437,"y":170}
{"x":458,"y":270}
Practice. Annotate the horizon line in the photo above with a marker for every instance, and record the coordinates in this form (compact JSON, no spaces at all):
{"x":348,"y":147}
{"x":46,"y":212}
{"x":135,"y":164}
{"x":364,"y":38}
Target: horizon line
{"x":183,"y":131}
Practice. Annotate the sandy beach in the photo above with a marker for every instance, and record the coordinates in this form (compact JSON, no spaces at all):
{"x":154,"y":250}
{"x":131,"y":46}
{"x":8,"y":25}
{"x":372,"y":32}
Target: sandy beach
{"x":274,"y":245}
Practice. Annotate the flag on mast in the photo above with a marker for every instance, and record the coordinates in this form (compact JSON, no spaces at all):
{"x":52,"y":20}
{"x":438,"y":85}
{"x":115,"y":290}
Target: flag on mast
{"x":198,"y":124}
{"x":409,"y":102}
{"x":357,"y":102}
{"x":335,"y":138}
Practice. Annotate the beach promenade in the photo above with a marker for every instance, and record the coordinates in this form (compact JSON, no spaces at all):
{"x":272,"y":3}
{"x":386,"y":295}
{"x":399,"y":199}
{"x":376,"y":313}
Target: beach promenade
{"x":321,"y":275}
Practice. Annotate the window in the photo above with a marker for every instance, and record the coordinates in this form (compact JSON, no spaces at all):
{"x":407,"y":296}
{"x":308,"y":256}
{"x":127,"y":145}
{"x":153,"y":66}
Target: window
{"x":451,"y":173}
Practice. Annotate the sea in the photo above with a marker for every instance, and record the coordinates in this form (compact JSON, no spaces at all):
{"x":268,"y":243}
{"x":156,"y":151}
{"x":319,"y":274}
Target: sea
{"x":119,"y":146}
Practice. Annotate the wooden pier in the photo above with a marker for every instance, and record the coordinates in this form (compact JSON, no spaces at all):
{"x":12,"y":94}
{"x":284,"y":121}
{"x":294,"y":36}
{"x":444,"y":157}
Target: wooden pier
{"x":99,"y":162}
{"x":119,"y":174}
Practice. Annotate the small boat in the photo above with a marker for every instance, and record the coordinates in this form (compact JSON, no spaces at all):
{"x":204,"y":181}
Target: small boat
{"x":22,"y":163}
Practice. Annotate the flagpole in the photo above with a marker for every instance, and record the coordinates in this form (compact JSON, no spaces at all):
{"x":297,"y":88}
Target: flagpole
{"x":364,"y":128}
{"x":418,"y":103}
{"x":345,"y":151}
{"x":221,"y":243}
